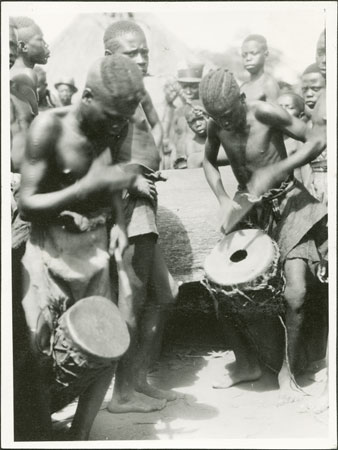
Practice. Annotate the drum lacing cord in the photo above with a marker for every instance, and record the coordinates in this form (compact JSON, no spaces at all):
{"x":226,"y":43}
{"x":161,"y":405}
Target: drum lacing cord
{"x":287,"y":359}
{"x":243,"y":325}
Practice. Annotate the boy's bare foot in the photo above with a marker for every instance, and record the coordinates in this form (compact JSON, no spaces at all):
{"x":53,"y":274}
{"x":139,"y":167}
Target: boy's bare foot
{"x":137,"y":402}
{"x":237,"y":375}
{"x":154,"y":392}
{"x":289,"y":391}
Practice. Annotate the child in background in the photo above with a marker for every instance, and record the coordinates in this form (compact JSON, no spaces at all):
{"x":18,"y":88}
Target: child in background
{"x":261,"y":86}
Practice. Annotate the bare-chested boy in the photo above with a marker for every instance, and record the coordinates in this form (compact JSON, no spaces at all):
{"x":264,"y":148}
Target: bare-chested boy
{"x":314,"y":147}
{"x":261,"y":85}
{"x":252,"y":137}
{"x":312,"y":84}
{"x":67,"y":192}
{"x":153,"y":288}
{"x":197,"y":121}
{"x":32,"y":49}
{"x":176,"y":132}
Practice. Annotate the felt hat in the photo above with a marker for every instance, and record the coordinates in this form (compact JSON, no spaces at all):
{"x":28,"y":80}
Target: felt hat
{"x":192,"y":74}
{"x":67,"y":81}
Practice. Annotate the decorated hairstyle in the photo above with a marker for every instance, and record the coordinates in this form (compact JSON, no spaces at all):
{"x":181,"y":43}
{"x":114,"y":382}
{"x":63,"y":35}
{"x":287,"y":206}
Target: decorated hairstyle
{"x":26,"y":27}
{"x":218,"y":91}
{"x":121,"y":80}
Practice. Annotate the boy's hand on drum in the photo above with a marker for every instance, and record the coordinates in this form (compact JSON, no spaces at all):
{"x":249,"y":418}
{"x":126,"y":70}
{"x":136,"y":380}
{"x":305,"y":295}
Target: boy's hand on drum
{"x":229,"y":211}
{"x":118,"y":239}
{"x":143,"y":187}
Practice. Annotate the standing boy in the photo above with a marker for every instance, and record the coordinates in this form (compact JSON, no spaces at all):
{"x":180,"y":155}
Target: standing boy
{"x":153,"y":288}
{"x":261,"y":86}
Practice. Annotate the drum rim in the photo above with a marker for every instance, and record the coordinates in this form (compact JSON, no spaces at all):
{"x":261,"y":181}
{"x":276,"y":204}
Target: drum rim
{"x":260,"y":232}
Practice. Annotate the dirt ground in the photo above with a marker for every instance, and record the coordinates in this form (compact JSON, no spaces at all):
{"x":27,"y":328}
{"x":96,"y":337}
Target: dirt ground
{"x":249,"y":410}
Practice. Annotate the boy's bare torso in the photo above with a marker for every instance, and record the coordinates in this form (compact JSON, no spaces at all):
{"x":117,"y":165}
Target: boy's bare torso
{"x":256,"y":146}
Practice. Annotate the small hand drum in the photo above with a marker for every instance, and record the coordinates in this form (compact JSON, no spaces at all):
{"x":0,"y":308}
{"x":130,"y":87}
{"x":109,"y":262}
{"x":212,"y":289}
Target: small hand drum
{"x":243,"y":269}
{"x":91,"y":335}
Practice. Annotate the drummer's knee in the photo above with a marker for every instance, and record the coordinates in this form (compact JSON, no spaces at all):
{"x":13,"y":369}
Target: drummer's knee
{"x":295,"y":296}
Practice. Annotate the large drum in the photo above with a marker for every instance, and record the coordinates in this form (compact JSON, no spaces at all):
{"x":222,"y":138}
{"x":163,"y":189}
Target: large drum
{"x":90,"y":336}
{"x":243,"y":270}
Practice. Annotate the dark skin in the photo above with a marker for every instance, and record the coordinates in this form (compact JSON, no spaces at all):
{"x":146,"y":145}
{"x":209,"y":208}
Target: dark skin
{"x":24,"y":85}
{"x":144,"y":262}
{"x":252,"y":137}
{"x":261,"y":86}
{"x":66,"y":166}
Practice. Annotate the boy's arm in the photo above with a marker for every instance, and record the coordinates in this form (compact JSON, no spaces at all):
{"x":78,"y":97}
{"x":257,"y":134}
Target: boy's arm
{"x":23,"y":85}
{"x":210,"y":166}
{"x":315,"y":144}
{"x":37,"y":165}
{"x":153,"y":120}
{"x":271,"y":90}
{"x":276,"y":117}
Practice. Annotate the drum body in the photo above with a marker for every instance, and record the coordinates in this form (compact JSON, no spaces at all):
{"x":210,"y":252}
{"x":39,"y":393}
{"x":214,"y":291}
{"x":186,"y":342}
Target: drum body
{"x":243,"y":270}
{"x":90,"y":336}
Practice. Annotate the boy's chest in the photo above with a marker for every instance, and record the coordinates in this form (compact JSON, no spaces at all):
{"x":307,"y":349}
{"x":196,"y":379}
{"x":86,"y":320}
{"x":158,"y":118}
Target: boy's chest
{"x":254,"y":91}
{"x":74,"y":156}
{"x":248,"y":146}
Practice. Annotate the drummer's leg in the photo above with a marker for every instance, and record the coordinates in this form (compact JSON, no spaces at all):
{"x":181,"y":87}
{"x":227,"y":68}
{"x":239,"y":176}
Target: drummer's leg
{"x":138,"y":260}
{"x":295,"y":292}
{"x":247,"y":367}
{"x":89,"y":405}
{"x":162,"y":293}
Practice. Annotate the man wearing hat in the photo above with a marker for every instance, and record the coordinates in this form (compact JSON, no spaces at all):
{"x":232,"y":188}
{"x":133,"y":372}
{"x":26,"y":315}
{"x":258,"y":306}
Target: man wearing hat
{"x":66,"y":89}
{"x":177,"y":133}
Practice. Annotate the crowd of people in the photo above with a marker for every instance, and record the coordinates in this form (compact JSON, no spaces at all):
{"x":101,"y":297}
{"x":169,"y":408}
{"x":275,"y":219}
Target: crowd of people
{"x":84,"y":205}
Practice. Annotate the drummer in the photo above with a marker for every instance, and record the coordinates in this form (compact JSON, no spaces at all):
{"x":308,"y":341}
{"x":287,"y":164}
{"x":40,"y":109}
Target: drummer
{"x":67,"y":193}
{"x":252,"y":137}
{"x":313,"y":151}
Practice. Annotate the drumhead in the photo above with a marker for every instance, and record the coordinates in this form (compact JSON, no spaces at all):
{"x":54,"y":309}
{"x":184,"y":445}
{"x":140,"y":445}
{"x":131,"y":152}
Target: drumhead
{"x":95,"y":326}
{"x":240,"y":257}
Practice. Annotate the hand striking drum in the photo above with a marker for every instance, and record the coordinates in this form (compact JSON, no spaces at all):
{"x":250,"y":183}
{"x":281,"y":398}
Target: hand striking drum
{"x":68,"y":191}
{"x":252,"y":137}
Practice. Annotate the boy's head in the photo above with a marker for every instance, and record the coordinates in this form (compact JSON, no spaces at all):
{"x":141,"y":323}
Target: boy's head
{"x":114,"y":88}
{"x":66,"y":89}
{"x":284,"y":87}
{"x":127,"y":38}
{"x":196,"y":118}
{"x":321,"y":54}
{"x":13,"y":42}
{"x":189,"y":80}
{"x":222,"y":99}
{"x":312,"y":84}
{"x":292,"y":103}
{"x":31,"y":44}
{"x":254,"y":53}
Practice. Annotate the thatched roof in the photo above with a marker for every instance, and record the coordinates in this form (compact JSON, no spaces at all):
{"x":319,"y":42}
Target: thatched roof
{"x":82,"y":42}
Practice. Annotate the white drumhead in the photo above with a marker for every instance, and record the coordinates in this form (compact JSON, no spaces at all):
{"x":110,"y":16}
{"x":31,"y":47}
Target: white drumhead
{"x":240,"y":257}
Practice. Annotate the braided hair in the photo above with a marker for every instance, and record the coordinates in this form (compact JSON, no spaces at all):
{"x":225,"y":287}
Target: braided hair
{"x":218,"y":91}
